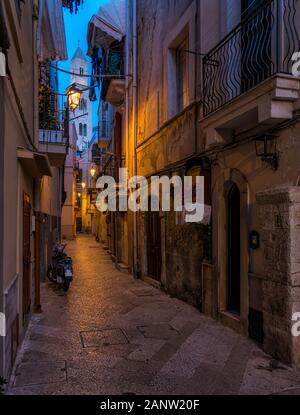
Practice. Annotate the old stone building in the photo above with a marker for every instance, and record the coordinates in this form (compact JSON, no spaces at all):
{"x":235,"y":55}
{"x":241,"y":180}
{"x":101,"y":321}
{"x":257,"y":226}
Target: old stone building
{"x":169,"y":141}
{"x":107,"y":42}
{"x":209,"y":91}
{"x":249,"y":124}
{"x":216,"y":94}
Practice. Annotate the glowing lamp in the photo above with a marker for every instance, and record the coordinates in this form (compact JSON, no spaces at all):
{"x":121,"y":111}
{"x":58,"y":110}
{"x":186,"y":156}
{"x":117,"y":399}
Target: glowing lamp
{"x":74,"y":96}
{"x":93,"y":171}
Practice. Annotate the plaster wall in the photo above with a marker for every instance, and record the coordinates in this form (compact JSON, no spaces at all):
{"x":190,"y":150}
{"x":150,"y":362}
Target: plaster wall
{"x":16,"y":181}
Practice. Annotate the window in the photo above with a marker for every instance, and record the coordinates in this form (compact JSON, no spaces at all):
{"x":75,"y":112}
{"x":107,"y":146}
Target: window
{"x":80,"y":129}
{"x":83,"y":105}
{"x":182,"y":87}
{"x":179,"y":74}
{"x":85,"y":130}
{"x":81,"y":71}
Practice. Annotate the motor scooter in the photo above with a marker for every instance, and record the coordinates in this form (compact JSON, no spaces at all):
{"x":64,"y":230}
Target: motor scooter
{"x":60,"y":270}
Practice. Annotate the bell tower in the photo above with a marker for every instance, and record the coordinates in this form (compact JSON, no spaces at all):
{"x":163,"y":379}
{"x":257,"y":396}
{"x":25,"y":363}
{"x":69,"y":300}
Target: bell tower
{"x":83,"y":114}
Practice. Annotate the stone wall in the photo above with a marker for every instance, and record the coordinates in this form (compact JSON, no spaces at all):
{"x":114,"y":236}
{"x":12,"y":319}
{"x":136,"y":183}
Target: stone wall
{"x":280,"y":234}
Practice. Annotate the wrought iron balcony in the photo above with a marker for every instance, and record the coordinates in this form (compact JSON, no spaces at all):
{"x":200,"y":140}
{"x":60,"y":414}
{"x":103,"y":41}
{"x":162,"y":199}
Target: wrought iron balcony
{"x":261,"y":46}
{"x":55,"y":145}
{"x":52,"y":137}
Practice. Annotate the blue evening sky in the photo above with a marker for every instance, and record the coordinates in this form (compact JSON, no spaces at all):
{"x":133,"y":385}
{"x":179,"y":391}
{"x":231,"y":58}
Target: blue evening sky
{"x":76,"y":30}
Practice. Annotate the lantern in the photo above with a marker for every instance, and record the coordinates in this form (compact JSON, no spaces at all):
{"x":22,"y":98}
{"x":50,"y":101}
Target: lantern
{"x":74,"y":96}
{"x":93,"y":172}
{"x":266,"y":149}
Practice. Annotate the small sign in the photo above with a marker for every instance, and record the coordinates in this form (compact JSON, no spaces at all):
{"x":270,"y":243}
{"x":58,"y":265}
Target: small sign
{"x":2,"y":64}
{"x":2,"y":325}
{"x":33,"y":223}
{"x":254,"y":240}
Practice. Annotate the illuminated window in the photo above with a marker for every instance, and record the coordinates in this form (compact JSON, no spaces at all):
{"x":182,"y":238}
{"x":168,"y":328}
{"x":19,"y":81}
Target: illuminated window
{"x":182,"y":75}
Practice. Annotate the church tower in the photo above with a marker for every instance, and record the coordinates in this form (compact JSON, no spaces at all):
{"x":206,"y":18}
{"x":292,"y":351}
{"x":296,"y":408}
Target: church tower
{"x":83,"y":114}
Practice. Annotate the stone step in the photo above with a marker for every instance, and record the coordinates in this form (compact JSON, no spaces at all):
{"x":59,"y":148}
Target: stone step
{"x":122,"y":267}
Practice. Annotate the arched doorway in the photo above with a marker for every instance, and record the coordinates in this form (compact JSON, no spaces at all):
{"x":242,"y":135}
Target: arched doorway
{"x":234,"y":250}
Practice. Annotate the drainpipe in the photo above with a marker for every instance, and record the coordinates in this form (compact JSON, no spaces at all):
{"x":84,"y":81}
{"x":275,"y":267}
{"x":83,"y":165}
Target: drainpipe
{"x":2,"y":297}
{"x":135,"y":126}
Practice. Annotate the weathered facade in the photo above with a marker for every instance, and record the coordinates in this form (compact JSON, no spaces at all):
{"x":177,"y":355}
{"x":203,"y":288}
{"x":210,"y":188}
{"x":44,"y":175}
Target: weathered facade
{"x":250,"y":127}
{"x":107,"y":43}
{"x":209,"y":91}
{"x":29,"y":178}
{"x":168,"y":139}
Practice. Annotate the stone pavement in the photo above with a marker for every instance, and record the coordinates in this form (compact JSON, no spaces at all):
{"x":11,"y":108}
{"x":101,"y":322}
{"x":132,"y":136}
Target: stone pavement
{"x":112,"y":334}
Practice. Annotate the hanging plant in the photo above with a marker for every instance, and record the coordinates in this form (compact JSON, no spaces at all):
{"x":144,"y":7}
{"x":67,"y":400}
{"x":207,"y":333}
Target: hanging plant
{"x":72,"y":5}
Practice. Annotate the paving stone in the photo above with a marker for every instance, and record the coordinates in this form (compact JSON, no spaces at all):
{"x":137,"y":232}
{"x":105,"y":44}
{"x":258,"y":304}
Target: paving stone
{"x":158,"y":331}
{"x":144,"y":292}
{"x":103,"y":338}
{"x":40,"y":373}
{"x":136,"y":340}
{"x":146,"y":350}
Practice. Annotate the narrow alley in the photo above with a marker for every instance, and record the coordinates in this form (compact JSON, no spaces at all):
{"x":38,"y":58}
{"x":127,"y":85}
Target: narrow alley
{"x":111,"y":334}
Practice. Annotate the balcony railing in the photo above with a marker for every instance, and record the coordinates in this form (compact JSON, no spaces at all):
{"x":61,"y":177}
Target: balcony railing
{"x":261,"y":46}
{"x":52,"y":137}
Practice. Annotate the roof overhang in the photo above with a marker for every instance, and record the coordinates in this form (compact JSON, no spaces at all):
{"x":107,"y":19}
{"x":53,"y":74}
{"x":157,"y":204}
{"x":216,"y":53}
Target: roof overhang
{"x":116,"y":92}
{"x":108,"y":26}
{"x":35,"y":164}
{"x":51,"y":36}
{"x":56,"y":153}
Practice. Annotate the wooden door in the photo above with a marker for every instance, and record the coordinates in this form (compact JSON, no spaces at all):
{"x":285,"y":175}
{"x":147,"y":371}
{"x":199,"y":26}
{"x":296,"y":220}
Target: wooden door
{"x":26,"y":254}
{"x":153,"y":234}
{"x":234,"y":250}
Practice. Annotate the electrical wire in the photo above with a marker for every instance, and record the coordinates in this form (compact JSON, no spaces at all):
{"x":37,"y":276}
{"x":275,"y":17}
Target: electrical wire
{"x":89,"y":76}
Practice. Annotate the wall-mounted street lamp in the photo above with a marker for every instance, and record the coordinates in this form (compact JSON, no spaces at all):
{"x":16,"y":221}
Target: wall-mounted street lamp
{"x":83,"y":185}
{"x":74,"y":95}
{"x":93,"y":172}
{"x":266,"y":149}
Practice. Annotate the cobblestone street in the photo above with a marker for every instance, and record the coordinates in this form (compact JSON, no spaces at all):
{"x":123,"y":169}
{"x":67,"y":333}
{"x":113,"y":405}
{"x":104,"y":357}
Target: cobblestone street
{"x":112,"y":334}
